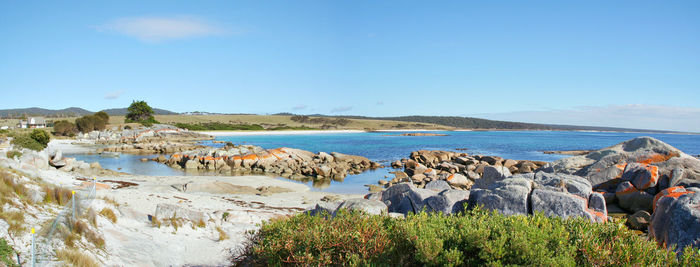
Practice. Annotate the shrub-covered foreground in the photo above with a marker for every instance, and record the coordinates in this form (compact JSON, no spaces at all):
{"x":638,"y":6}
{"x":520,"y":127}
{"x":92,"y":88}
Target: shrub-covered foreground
{"x":473,"y":239}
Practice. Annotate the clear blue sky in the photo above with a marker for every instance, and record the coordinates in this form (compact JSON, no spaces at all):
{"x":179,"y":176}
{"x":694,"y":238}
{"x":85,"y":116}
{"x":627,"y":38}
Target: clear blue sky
{"x":517,"y":60}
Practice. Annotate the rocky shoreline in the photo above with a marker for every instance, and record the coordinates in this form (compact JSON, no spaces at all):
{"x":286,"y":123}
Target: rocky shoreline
{"x":286,"y":162}
{"x":655,"y":184}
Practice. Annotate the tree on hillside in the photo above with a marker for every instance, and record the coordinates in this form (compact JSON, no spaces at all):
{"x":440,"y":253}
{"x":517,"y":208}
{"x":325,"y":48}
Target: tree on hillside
{"x":139,"y":111}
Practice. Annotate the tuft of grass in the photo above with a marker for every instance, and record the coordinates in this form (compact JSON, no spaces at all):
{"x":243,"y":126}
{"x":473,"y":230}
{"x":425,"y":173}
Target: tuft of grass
{"x":201,"y":223}
{"x":224,"y":215}
{"x":75,"y":257}
{"x":110,"y":201}
{"x":175,"y":222}
{"x":222,"y":234}
{"x":109,"y":214}
{"x":56,"y":195}
{"x":155,"y":222}
{"x":475,"y":238}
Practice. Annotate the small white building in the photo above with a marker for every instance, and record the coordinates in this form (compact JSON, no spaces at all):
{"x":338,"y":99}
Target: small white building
{"x":33,"y":122}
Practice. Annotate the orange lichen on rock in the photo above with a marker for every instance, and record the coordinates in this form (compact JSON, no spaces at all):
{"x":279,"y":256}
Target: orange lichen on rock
{"x":654,"y":170}
{"x":621,"y":166}
{"x":250,"y":157}
{"x":628,"y":190}
{"x":450,"y":178}
{"x":655,"y":158}
{"x":208,"y":158}
{"x":673,"y":192}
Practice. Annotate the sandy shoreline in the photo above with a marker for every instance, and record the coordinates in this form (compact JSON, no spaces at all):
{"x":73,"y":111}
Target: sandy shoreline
{"x":301,"y":132}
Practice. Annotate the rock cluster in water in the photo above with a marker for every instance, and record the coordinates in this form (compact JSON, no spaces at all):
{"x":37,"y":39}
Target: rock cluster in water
{"x":285,"y":162}
{"x":460,"y":170}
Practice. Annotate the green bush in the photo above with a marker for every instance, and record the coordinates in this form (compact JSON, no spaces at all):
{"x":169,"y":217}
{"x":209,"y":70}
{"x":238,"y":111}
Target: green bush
{"x":64,"y":128}
{"x":102,"y":116}
{"x":6,"y":253}
{"x":13,"y":153}
{"x":90,"y":123}
{"x":40,"y":136}
{"x":25,"y":141}
{"x":475,"y":238}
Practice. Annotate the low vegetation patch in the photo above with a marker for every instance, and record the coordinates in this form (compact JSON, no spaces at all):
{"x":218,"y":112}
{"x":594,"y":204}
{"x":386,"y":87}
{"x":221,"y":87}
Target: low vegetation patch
{"x":210,"y":126}
{"x":6,"y":254}
{"x":474,"y":238}
{"x":109,"y":214}
{"x":222,"y":234}
{"x":75,"y":257}
{"x":13,"y":153}
{"x":36,"y":140}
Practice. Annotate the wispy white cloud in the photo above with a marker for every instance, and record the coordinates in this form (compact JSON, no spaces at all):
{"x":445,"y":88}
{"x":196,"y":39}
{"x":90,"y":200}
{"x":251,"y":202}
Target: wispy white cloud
{"x":341,"y":109}
{"x":637,"y":116}
{"x":156,"y":29}
{"x":114,"y":94}
{"x":299,"y":107}
{"x":379,"y":103}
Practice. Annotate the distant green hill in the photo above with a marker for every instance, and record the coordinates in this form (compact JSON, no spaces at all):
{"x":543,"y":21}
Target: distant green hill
{"x":484,"y":124}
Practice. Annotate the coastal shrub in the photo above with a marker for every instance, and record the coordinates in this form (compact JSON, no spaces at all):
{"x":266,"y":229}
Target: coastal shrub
{"x":40,"y":136}
{"x":25,"y":141}
{"x":6,"y":254}
{"x":64,"y":128}
{"x":89,"y":123}
{"x":102,"y":116}
{"x":13,"y":153}
{"x":474,"y":238}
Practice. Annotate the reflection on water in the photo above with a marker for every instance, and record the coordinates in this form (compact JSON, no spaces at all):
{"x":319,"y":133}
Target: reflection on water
{"x":383,"y":149}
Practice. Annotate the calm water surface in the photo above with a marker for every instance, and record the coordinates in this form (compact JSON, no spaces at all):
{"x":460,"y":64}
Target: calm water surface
{"x":386,"y":147}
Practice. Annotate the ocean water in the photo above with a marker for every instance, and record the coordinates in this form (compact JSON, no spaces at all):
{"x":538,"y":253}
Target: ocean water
{"x":384,"y":147}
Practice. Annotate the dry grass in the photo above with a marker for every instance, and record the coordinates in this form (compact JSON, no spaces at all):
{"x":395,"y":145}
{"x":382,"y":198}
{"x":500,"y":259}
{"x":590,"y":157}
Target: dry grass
{"x":110,"y":201}
{"x":272,"y":120}
{"x":175,"y":222}
{"x":109,"y":214}
{"x":15,"y":220}
{"x":91,"y":216}
{"x":80,"y":229}
{"x":201,"y":223}
{"x":56,"y":195}
{"x":155,"y":222}
{"x":74,"y":257}
{"x":222,"y":234}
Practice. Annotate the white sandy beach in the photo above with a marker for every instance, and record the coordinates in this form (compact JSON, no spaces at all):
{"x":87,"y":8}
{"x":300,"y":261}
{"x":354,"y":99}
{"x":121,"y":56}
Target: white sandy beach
{"x":300,"y":132}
